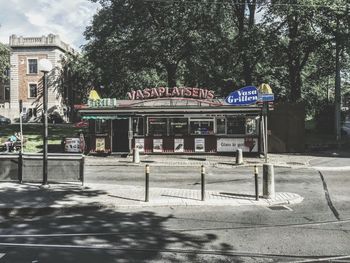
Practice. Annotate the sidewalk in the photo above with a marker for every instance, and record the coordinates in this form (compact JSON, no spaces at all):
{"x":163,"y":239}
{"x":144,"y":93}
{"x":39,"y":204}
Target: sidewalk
{"x":59,"y":196}
{"x":279,"y":160}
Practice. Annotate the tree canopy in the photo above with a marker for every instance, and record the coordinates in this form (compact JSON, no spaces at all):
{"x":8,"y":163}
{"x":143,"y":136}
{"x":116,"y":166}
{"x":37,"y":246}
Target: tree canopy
{"x":221,"y":45}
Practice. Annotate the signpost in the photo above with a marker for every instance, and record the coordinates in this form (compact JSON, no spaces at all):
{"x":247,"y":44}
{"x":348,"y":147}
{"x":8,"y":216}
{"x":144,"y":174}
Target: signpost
{"x":266,"y":96}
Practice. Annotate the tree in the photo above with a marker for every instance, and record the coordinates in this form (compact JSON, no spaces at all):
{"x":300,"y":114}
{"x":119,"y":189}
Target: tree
{"x":154,"y":37}
{"x":299,"y":38}
{"x":4,"y":62}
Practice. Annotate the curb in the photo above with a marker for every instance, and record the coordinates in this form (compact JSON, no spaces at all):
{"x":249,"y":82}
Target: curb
{"x":17,"y":211}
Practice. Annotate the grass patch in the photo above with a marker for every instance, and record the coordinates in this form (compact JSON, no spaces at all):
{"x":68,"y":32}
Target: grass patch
{"x":33,"y":133}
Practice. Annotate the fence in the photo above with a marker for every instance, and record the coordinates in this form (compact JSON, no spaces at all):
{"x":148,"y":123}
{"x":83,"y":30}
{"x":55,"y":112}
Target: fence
{"x":29,"y":167}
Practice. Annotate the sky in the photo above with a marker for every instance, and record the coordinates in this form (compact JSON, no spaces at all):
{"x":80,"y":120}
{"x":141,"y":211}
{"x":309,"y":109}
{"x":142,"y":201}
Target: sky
{"x":34,"y":18}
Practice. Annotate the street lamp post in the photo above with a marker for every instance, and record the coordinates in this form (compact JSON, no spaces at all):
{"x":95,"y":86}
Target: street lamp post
{"x":45,"y":66}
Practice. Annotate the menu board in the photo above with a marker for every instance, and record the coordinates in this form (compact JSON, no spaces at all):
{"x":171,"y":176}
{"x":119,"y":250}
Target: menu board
{"x":157,"y":145}
{"x":199,"y":145}
{"x":140,"y":144}
{"x":72,"y":145}
{"x":179,"y":145}
{"x":100,"y":144}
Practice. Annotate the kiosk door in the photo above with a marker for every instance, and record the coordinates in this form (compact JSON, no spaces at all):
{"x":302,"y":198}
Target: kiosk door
{"x":120,"y":136}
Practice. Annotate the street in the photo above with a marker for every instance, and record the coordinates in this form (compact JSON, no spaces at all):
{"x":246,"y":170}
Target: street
{"x":318,"y":227}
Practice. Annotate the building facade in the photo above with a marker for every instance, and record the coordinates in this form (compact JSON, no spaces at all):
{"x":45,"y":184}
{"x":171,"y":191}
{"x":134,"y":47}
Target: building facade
{"x":26,"y":79}
{"x":172,"y":120}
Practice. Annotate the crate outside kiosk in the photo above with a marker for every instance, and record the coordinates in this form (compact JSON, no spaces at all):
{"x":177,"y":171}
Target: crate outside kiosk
{"x":178,"y":120}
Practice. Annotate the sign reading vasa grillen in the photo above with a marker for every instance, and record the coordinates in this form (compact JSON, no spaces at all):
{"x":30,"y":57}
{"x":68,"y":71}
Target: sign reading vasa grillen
{"x":161,"y":92}
{"x":244,"y":96}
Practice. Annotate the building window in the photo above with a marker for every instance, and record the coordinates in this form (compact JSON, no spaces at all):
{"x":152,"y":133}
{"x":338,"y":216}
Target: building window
{"x":32,"y":90}
{"x":202,"y":127}
{"x":32,"y":66}
{"x":236,"y":125}
{"x":178,"y":126}
{"x":101,"y":126}
{"x":220,"y":125}
{"x":137,"y":126}
{"x":157,"y":126}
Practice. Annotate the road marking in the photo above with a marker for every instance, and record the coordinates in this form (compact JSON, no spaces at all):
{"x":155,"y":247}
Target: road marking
{"x":2,"y":255}
{"x":328,"y":198}
{"x":330,"y":259}
{"x":324,"y":168}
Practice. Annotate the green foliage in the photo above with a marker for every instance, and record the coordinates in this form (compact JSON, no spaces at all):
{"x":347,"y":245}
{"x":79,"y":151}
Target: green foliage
{"x":220,"y":45}
{"x":4,"y":62}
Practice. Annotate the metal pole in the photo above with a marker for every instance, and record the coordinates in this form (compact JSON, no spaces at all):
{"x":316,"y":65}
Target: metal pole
{"x":20,"y":167}
{"x":21,"y":122}
{"x":266,"y":130}
{"x":203,"y":183}
{"x":147,"y":183}
{"x":256,"y":174}
{"x":45,"y":135}
{"x":263,"y":134}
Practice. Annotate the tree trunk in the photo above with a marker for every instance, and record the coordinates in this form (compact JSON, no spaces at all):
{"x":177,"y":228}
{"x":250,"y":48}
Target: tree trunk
{"x":337,"y":97}
{"x":171,"y":72}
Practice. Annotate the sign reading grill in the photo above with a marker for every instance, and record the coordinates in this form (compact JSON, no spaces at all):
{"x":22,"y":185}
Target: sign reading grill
{"x":244,"y":96}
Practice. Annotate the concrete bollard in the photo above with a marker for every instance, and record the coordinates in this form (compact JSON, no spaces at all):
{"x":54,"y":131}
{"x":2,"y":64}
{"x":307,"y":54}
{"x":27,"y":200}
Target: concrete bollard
{"x":239,"y":156}
{"x":147,"y":183}
{"x":268,"y":181}
{"x":136,"y":155}
{"x":256,"y":175}
{"x":202,"y":183}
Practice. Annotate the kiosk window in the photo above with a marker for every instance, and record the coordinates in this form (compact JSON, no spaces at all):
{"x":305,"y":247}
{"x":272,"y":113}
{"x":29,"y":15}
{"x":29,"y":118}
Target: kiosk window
{"x":178,"y":126}
{"x":101,"y":126}
{"x":157,"y":126}
{"x":202,"y":127}
{"x":220,"y":125}
{"x":251,"y":126}
{"x":236,"y":125}
{"x":137,"y":126}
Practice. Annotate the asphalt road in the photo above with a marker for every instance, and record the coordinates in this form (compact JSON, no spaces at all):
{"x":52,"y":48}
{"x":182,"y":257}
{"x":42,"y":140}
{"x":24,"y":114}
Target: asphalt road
{"x":318,"y":227}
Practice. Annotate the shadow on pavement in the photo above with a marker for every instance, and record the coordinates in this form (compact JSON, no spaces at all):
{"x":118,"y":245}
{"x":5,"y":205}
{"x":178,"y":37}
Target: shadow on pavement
{"x":94,"y":234}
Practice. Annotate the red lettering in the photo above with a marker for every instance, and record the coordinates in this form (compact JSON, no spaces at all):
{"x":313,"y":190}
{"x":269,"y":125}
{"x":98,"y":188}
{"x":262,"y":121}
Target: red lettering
{"x":146,"y":93}
{"x":154,"y":93}
{"x":203,"y":93}
{"x":176,"y":92}
{"x":139,"y":95}
{"x":167,"y":94}
{"x":131,"y":95}
{"x":188,"y":92}
{"x":170,"y":92}
{"x":182,"y":90}
{"x":161,"y":91}
{"x":210,"y":94}
{"x":195,"y":92}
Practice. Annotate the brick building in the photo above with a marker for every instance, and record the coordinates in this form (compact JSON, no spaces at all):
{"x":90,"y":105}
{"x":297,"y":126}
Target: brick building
{"x":26,"y":79}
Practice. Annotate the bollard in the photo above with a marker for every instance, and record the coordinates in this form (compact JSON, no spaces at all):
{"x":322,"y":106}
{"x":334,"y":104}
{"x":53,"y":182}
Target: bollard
{"x":268,"y":181}
{"x":256,"y":174}
{"x":81,"y":170}
{"x":239,"y":156}
{"x":203,"y":182}
{"x":147,"y":183}
{"x":136,"y":155}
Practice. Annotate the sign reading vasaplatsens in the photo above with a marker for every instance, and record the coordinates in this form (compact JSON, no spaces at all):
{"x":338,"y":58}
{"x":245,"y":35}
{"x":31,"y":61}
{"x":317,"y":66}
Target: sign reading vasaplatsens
{"x":244,"y":96}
